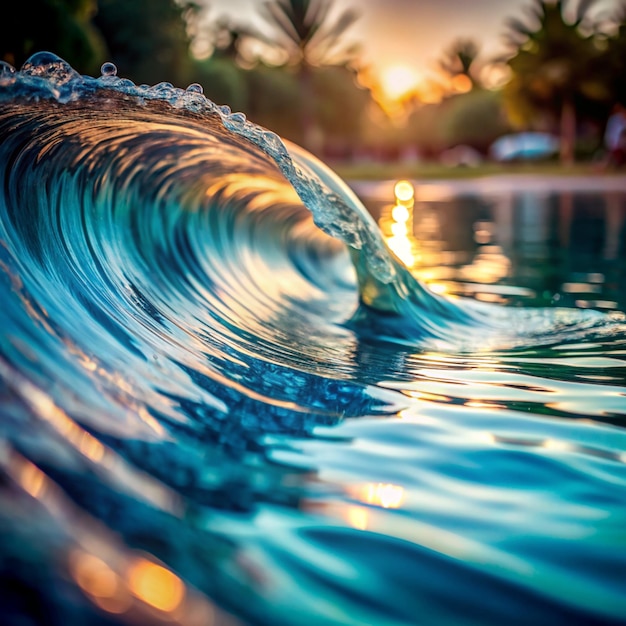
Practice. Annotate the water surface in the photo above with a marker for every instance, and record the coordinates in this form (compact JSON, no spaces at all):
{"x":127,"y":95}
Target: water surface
{"x":224,"y":401}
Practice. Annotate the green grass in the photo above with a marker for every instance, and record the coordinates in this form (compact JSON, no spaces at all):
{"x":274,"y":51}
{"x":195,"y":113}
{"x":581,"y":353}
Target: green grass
{"x":436,"y":171}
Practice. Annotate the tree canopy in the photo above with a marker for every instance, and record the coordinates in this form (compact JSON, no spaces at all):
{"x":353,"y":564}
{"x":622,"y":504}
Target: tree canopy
{"x":64,"y":28}
{"x":567,"y":67}
{"x":554,"y":71}
{"x":308,"y":33}
{"x":146,"y":39}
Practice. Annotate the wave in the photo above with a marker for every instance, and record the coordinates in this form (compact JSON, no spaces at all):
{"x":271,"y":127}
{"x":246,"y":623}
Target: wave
{"x":178,"y":285}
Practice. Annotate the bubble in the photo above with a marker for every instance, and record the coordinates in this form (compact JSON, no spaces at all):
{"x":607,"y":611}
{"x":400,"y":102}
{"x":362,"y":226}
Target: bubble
{"x":164,"y":86}
{"x":235,"y":122}
{"x":195,"y":88}
{"x":108,"y":69}
{"x":7,"y":73}
{"x":273,"y":142}
{"x":6,"y":69}
{"x":238,"y":118}
{"x":51,"y":67}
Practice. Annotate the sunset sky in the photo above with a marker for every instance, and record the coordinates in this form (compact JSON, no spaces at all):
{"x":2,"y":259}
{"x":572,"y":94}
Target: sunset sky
{"x":412,"y":33}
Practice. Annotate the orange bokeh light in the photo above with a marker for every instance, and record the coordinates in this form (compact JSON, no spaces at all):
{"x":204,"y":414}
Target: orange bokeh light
{"x":462,"y":83}
{"x":155,"y":585}
{"x":398,"y":81}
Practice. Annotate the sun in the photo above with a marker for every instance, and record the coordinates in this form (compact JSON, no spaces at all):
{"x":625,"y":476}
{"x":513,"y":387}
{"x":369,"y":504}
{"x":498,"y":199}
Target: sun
{"x":398,"y":81}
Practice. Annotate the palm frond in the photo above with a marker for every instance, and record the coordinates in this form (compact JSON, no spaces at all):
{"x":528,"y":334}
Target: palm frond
{"x":582,"y":11}
{"x":279,"y":15}
{"x":304,"y":28}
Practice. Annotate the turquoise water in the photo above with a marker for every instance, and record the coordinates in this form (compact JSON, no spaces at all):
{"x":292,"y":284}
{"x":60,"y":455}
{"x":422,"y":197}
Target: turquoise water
{"x":225,"y":401}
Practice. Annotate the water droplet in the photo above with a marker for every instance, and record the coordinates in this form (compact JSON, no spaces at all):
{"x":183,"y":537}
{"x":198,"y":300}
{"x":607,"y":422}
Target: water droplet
{"x":195,"y":88}
{"x":164,"y":86}
{"x":273,"y":142}
{"x":224,"y":109}
{"x":49,"y":66}
{"x":238,"y":118}
{"x":108,"y":69}
{"x":235,"y":122}
{"x":7,"y":73}
{"x":6,"y":69}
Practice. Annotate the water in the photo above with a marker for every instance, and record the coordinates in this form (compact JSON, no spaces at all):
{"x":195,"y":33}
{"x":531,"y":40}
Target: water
{"x":215,"y":411}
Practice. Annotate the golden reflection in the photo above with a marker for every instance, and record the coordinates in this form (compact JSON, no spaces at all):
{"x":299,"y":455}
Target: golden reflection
{"x":269,"y":192}
{"x":440,"y":288}
{"x":385,"y":495}
{"x":419,"y":234}
{"x":87,"y":445}
{"x":404,"y":191}
{"x":428,"y":397}
{"x":415,"y":416}
{"x":397,"y":223}
{"x":479,"y":404}
{"x":145,"y":417}
{"x":107,"y":572}
{"x":357,"y":517}
{"x":558,"y":446}
{"x":486,"y":437}
{"x":32,"y":479}
{"x":399,"y":229}
{"x":91,"y":447}
{"x":400,"y":213}
{"x":403,"y":249}
{"x":490,"y":297}
{"x":489,"y":266}
{"x":99,"y":581}
{"x":155,"y":585}
{"x":596,"y":304}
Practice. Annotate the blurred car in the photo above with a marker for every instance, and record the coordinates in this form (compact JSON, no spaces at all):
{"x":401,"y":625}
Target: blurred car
{"x":524,"y":146}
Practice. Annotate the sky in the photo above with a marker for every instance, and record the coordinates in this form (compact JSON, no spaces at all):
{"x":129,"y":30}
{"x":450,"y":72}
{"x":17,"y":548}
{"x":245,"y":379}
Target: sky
{"x":413,"y":33}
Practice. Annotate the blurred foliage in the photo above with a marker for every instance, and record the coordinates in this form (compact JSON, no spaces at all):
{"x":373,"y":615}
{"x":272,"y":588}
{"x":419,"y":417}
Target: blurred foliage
{"x":459,"y":59}
{"x":146,"y":39}
{"x":433,"y":171}
{"x":336,"y":91}
{"x":305,"y":30}
{"x":563,"y":72}
{"x":615,"y":57}
{"x":274,"y":96}
{"x":62,"y":27}
{"x":476,"y":119}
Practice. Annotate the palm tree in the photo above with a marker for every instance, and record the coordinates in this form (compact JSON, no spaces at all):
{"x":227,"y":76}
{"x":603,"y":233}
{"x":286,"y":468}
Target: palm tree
{"x":308,"y":34}
{"x":460,"y":59}
{"x":553,"y":68}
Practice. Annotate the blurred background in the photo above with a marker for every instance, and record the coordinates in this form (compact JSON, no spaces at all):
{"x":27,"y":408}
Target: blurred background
{"x":378,"y":88}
